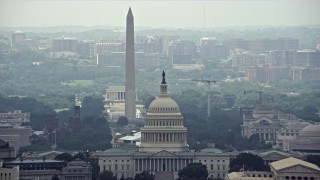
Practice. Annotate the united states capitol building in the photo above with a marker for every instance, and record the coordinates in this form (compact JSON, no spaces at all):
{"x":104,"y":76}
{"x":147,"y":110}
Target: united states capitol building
{"x":163,"y":150}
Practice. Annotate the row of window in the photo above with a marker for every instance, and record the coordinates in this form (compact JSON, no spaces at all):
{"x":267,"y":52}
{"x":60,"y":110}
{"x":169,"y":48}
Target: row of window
{"x":5,"y":174}
{"x":164,"y":109}
{"x":299,"y":178}
{"x":117,"y":160}
{"x":163,"y":123}
{"x":212,"y":160}
{"x":223,"y":167}
{"x":116,"y":167}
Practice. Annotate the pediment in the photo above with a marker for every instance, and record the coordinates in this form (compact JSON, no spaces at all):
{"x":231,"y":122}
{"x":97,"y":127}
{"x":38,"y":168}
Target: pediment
{"x":164,"y":153}
{"x":298,"y":168}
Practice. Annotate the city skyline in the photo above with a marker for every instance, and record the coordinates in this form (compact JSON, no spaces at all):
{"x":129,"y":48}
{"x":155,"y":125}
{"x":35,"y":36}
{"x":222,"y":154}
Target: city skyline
{"x":199,"y":14}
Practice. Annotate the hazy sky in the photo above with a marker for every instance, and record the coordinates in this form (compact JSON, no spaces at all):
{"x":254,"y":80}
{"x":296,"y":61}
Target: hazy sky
{"x":159,"y":13}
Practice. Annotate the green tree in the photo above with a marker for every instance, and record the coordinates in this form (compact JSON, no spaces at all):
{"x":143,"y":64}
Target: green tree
{"x":144,"y":175}
{"x":64,"y":157}
{"x":194,"y":171}
{"x":55,"y":177}
{"x":249,"y":162}
{"x":315,"y":159}
{"x":122,"y":121}
{"x":107,"y":175}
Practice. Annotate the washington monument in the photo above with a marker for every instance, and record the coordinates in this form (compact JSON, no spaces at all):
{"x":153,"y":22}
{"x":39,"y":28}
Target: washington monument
{"x":130,"y":104}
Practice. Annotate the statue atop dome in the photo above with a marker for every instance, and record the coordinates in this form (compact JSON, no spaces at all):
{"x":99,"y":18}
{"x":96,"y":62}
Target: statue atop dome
{"x":163,"y":78}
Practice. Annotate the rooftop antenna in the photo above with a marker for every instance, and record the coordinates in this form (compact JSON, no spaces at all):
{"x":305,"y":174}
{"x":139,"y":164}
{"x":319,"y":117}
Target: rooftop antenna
{"x":204,"y":15}
{"x":209,"y":81}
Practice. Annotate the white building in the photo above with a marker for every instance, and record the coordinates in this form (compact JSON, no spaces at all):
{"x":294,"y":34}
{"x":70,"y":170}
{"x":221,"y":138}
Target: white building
{"x":17,"y":136}
{"x":164,"y":148}
{"x":270,"y":125}
{"x":286,"y":169}
{"x":307,"y":141}
{"x":17,"y":117}
{"x":115,"y":103}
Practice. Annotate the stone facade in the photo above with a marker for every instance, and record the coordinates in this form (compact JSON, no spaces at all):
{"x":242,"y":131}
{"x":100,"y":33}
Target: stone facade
{"x":163,"y":145}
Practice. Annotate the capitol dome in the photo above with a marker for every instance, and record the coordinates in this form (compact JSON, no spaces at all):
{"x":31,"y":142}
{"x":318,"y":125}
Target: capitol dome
{"x":311,"y":131}
{"x":262,"y":111}
{"x":163,"y":127}
{"x":163,"y":105}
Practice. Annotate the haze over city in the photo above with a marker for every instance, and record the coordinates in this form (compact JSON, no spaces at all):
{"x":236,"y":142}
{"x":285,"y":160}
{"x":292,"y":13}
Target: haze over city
{"x":160,"y":90}
{"x":218,"y":13}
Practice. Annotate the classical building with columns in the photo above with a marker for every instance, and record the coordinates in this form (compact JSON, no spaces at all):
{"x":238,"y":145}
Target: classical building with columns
{"x":270,"y":125}
{"x":163,"y":147}
{"x":115,"y":103}
{"x":285,"y":169}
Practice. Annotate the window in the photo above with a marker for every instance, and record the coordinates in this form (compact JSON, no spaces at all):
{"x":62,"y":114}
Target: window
{"x":116,"y":167}
{"x":211,"y":166}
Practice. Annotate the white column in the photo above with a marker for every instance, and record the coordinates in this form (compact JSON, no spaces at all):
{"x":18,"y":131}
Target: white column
{"x":142,"y":164}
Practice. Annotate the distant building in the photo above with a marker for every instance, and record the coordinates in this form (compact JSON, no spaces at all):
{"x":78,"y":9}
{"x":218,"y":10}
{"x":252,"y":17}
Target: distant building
{"x":182,"y":52}
{"x":269,"y":125}
{"x":163,"y":148}
{"x":18,"y":39}
{"x":210,"y":49}
{"x":304,"y":73}
{"x":64,"y":45}
{"x":263,"y":45}
{"x":308,"y":58}
{"x":144,"y":61}
{"x":85,"y":49}
{"x":148,"y":44}
{"x":46,"y":169}
{"x":17,"y":117}
{"x":263,"y":73}
{"x":242,"y":60}
{"x":6,"y":151}
{"x":17,"y":136}
{"x":306,"y":141}
{"x":115,"y":103}
{"x":9,"y":173}
{"x":286,"y":169}
{"x":281,"y":57}
{"x":109,"y":46}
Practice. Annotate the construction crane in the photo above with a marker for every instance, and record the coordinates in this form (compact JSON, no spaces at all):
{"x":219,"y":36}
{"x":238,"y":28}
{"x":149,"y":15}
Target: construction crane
{"x":208,"y":93}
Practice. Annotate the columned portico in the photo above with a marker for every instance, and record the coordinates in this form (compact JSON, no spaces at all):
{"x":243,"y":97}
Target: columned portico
{"x":154,"y":164}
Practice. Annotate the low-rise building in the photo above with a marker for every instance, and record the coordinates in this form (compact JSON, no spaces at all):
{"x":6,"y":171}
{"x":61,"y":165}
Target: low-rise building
{"x":17,"y":117}
{"x":17,"y":136}
{"x":46,"y":169}
{"x":285,"y":169}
